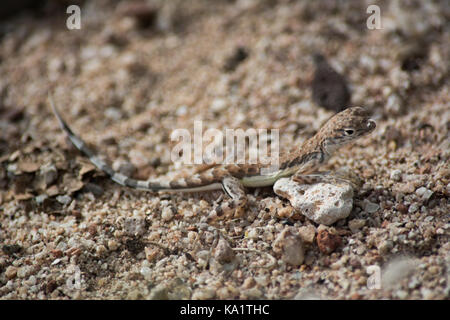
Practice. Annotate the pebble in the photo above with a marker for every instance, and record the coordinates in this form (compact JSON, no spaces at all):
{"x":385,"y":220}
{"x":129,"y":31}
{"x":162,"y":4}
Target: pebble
{"x":307,"y":233}
{"x":290,"y":245}
{"x":328,"y":242}
{"x":48,"y":173}
{"x":356,"y":224}
{"x":10,"y":272}
{"x":167,"y":214}
{"x":203,"y":294}
{"x":385,"y":247}
{"x":135,"y":226}
{"x":401,"y":294}
{"x":40,"y":198}
{"x":23,"y":272}
{"x":322,"y":202}
{"x":218,"y":105}
{"x":64,"y":199}
{"x":113,"y":245}
{"x":396,"y":175}
{"x":253,"y":293}
{"x":160,"y":292}
{"x":413,"y":208}
{"x":427,"y":294}
{"x":224,"y":253}
{"x":424,"y":193}
{"x":394,"y":104}
{"x":370,"y":207}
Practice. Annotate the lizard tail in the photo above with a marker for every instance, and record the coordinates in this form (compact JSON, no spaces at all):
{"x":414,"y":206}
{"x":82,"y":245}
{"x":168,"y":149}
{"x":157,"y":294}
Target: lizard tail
{"x":195,"y":183}
{"x":121,"y":179}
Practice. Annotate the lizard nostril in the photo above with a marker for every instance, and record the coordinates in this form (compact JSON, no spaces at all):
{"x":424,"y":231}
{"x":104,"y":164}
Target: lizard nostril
{"x":371,"y":124}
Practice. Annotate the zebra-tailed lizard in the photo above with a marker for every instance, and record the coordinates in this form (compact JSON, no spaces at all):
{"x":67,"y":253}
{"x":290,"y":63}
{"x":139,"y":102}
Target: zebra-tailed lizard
{"x":302,"y":163}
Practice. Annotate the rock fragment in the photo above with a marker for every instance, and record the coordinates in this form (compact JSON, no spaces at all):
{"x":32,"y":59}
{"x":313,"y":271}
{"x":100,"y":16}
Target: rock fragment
{"x":327,"y":241}
{"x":322,"y":202}
{"x":290,"y":246}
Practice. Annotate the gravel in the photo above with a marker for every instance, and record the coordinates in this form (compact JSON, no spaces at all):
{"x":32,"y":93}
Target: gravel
{"x":126,"y":81}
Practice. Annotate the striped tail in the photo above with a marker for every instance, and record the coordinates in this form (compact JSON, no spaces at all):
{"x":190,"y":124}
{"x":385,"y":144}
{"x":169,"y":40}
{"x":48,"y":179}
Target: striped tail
{"x":121,"y":179}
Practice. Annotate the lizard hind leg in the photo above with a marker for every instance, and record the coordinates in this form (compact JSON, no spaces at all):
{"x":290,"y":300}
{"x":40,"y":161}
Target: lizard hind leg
{"x":235,"y":190}
{"x":328,"y":177}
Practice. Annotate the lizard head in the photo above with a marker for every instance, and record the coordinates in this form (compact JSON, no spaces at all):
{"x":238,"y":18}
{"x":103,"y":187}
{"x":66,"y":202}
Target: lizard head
{"x":345,"y":127}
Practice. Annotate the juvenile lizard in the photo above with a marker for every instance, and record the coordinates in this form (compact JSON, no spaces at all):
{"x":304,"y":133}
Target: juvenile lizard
{"x":300,"y":162}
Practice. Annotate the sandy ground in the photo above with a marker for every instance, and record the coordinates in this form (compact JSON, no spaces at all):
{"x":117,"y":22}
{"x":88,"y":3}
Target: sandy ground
{"x":133,"y":74}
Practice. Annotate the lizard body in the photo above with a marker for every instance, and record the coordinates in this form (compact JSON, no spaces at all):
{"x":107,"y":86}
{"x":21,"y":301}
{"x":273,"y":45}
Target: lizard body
{"x":300,"y":162}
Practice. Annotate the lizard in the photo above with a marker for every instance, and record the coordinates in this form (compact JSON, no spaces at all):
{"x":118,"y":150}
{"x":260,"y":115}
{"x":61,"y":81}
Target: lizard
{"x":302,"y":163}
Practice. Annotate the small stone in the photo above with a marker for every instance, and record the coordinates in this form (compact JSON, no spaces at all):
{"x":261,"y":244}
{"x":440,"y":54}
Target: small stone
{"x":370,"y":207}
{"x":167,"y":214}
{"x":146,"y":272}
{"x":10,"y":272}
{"x":413,"y":208}
{"x":290,"y":246}
{"x":402,"y":208}
{"x":401,"y":294}
{"x":328,"y":242}
{"x":64,"y":199}
{"x":203,"y":294}
{"x":424,"y":193}
{"x":160,"y":292}
{"x":224,"y":253}
{"x":427,"y":294}
{"x":396,"y":175}
{"x":253,"y":293}
{"x":394,"y":104}
{"x":248,"y":283}
{"x":41,"y":198}
{"x":322,"y":202}
{"x":113,"y":245}
{"x":307,"y":233}
{"x":356,"y":224}
{"x":23,"y":272}
{"x":135,"y":226}
{"x":151,"y":253}
{"x":218,"y":105}
{"x":385,"y":247}
{"x":48,"y":173}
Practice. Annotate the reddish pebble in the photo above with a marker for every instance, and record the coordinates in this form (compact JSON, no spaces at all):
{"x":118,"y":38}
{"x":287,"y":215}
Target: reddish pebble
{"x":328,"y":242}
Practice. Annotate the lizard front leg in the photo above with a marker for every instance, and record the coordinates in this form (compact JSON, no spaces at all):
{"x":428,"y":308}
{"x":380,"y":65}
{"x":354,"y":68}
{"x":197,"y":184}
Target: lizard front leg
{"x":235,"y":190}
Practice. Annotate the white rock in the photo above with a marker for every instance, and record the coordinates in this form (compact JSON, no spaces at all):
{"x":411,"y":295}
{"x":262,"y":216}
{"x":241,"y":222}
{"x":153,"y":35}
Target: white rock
{"x":323,"y":203}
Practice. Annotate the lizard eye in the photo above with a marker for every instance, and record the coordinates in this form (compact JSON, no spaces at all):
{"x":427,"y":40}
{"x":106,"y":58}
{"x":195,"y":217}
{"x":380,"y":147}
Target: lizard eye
{"x":349,"y":132}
